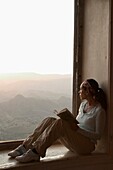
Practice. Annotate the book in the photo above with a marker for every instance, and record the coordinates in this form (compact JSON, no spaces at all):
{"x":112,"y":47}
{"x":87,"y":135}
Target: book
{"x":65,"y":114}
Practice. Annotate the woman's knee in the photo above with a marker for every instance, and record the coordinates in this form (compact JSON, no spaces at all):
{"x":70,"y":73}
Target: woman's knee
{"x":49,"y":119}
{"x":61,"y":122}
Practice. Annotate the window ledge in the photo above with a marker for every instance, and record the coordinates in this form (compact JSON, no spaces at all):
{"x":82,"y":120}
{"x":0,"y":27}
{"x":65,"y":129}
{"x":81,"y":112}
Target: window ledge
{"x":58,"y":157}
{"x":54,"y":153}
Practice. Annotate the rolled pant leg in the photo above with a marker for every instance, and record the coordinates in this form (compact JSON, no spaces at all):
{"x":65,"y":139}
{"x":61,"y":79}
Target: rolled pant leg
{"x":60,"y":129}
{"x":38,"y":131}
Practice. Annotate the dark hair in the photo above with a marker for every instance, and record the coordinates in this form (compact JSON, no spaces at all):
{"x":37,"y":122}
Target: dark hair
{"x":98,"y":93}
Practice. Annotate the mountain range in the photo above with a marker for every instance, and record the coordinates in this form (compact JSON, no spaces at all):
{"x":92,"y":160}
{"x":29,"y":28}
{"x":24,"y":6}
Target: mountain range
{"x":26,"y":99}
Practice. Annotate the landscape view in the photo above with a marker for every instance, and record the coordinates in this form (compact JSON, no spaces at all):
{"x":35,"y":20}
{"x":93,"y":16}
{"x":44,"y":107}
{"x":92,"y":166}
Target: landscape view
{"x":27,"y":98}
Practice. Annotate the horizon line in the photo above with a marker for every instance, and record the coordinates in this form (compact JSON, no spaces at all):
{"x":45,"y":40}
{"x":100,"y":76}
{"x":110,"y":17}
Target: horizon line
{"x":11,"y":73}
{"x":30,"y":72}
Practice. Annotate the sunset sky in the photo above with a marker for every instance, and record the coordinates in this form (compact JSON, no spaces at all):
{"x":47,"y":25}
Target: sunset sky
{"x":36,"y":36}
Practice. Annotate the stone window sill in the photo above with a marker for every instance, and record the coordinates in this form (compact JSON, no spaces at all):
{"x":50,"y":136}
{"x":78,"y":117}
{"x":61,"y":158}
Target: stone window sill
{"x":57,"y":157}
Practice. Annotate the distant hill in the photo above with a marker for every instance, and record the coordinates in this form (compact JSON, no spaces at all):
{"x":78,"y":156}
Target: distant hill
{"x":20,"y":115}
{"x":33,"y":85}
{"x":26,"y":100}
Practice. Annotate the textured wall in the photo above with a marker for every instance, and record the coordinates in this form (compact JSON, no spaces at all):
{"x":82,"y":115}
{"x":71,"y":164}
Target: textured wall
{"x":95,"y":39}
{"x":95,"y":51}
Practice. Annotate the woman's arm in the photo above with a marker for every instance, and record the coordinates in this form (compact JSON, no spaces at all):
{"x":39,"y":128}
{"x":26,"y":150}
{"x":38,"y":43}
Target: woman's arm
{"x":99,"y":128}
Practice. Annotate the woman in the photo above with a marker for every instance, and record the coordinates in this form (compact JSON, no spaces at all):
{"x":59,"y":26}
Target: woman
{"x":80,"y":138}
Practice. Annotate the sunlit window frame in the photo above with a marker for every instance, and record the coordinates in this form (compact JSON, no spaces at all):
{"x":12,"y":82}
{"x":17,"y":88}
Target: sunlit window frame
{"x":78,"y":31}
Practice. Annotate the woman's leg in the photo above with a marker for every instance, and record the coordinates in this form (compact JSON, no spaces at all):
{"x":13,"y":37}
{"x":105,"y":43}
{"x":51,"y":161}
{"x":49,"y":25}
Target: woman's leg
{"x":61,"y":129}
{"x":27,"y":144}
{"x":78,"y":143}
{"x":38,"y":131}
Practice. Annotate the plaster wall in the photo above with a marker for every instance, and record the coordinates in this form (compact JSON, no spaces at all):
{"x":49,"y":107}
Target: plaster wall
{"x":96,"y":48}
{"x":95,"y":52}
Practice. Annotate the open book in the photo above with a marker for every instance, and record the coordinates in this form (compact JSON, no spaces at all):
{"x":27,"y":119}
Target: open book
{"x":66,"y":115}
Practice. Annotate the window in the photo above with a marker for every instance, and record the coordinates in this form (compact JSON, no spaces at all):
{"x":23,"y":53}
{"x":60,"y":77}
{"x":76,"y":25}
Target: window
{"x":36,"y":68}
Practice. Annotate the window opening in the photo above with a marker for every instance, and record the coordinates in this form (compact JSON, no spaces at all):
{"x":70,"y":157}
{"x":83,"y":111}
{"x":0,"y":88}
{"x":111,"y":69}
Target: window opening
{"x":36,"y":70}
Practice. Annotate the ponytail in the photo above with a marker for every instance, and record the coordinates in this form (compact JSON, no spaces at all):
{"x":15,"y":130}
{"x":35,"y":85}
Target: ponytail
{"x":101,"y":98}
{"x":98,"y":93}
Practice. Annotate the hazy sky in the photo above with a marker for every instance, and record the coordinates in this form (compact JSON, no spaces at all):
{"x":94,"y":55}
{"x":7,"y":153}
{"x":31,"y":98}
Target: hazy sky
{"x":36,"y":36}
